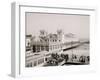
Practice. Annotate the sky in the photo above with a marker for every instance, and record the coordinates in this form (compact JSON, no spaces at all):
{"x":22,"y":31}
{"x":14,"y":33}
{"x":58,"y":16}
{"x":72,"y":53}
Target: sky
{"x":76,"y":24}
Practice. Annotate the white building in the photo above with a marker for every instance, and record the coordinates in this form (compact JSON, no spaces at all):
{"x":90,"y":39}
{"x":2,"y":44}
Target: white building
{"x":45,"y":44}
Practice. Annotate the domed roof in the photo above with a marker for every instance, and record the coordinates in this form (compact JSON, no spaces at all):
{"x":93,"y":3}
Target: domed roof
{"x":36,"y":39}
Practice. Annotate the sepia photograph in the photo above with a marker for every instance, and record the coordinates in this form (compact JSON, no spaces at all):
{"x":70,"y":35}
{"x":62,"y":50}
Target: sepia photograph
{"x":56,"y":39}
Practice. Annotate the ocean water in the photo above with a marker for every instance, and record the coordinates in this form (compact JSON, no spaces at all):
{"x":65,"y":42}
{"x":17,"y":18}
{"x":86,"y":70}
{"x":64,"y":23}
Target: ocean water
{"x":80,"y":50}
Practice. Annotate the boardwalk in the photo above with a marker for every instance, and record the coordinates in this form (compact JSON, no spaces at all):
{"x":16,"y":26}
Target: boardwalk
{"x":77,"y":55}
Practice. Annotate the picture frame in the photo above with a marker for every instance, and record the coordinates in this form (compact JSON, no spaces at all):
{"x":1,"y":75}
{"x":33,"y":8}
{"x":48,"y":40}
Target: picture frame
{"x":18,"y":32}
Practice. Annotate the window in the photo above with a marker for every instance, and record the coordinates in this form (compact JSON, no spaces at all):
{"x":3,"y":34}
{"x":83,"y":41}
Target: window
{"x":47,"y":48}
{"x":38,"y":48}
{"x":40,"y":61}
{"x":35,"y":63}
{"x":29,"y":65}
{"x":34,"y":48}
{"x":50,"y":47}
{"x":28,"y":49}
{"x":53,"y":46}
{"x":55,"y":40}
{"x":42,"y":48}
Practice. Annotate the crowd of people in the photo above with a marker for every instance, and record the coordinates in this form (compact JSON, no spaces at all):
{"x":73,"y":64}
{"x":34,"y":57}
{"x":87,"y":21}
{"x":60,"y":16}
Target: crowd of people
{"x":72,"y":58}
{"x":82,"y":59}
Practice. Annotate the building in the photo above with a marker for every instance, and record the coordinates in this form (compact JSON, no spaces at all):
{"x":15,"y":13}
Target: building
{"x":28,"y":42}
{"x":47,"y":42}
{"x":39,"y":48}
{"x":35,"y":59}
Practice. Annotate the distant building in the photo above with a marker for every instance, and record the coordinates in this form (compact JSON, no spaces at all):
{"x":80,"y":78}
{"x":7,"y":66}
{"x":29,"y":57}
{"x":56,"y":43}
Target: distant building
{"x":71,"y":38}
{"x":28,"y":42}
{"x":70,"y":41}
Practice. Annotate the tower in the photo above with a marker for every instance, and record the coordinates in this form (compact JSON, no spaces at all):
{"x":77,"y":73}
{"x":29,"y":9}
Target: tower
{"x":43,"y":33}
{"x":60,"y":34}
